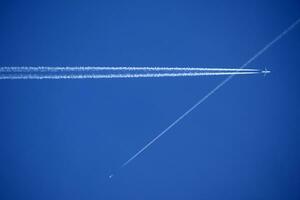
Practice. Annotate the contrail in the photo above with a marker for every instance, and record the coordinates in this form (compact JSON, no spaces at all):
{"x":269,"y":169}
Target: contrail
{"x":266,"y":47}
{"x":111,"y":76}
{"x":97,"y":68}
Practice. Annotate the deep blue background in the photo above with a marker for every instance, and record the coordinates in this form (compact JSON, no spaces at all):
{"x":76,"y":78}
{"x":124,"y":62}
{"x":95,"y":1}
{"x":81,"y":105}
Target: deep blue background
{"x":61,"y":139}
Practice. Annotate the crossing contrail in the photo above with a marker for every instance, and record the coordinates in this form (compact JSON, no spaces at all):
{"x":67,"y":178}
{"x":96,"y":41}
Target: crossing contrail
{"x":260,"y":52}
{"x":111,"y":76}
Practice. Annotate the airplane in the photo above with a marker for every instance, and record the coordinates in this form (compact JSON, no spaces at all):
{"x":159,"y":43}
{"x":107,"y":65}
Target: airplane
{"x":265,"y":71}
{"x":112,"y":175}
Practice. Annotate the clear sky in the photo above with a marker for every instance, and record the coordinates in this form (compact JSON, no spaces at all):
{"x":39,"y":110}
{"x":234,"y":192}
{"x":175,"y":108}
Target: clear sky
{"x":61,"y":139}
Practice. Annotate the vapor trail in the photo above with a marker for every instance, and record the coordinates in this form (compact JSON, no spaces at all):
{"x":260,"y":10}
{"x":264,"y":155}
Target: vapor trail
{"x":111,"y":76}
{"x":98,"y":68}
{"x":266,"y":47}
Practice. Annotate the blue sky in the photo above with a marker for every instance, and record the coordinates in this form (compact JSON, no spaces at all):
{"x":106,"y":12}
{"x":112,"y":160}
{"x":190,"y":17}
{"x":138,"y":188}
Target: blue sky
{"x":61,"y":139}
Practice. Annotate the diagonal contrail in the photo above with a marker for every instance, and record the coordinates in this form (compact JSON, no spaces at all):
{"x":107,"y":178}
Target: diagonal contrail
{"x":266,"y":47}
{"x":113,"y":76}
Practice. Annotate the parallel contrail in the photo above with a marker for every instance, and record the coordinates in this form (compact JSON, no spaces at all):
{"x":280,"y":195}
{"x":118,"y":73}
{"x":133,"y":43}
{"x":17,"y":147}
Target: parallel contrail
{"x":110,"y":76}
{"x":15,"y":69}
{"x":266,"y":47}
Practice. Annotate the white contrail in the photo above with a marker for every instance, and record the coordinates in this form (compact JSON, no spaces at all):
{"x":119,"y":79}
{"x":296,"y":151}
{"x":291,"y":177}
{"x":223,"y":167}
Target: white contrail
{"x":110,"y":76}
{"x":97,"y":68}
{"x":210,"y":93}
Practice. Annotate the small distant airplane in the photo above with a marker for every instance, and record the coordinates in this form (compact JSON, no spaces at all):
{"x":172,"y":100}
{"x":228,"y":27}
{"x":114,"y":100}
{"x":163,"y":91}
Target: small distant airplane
{"x":112,"y":175}
{"x":265,"y":71}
